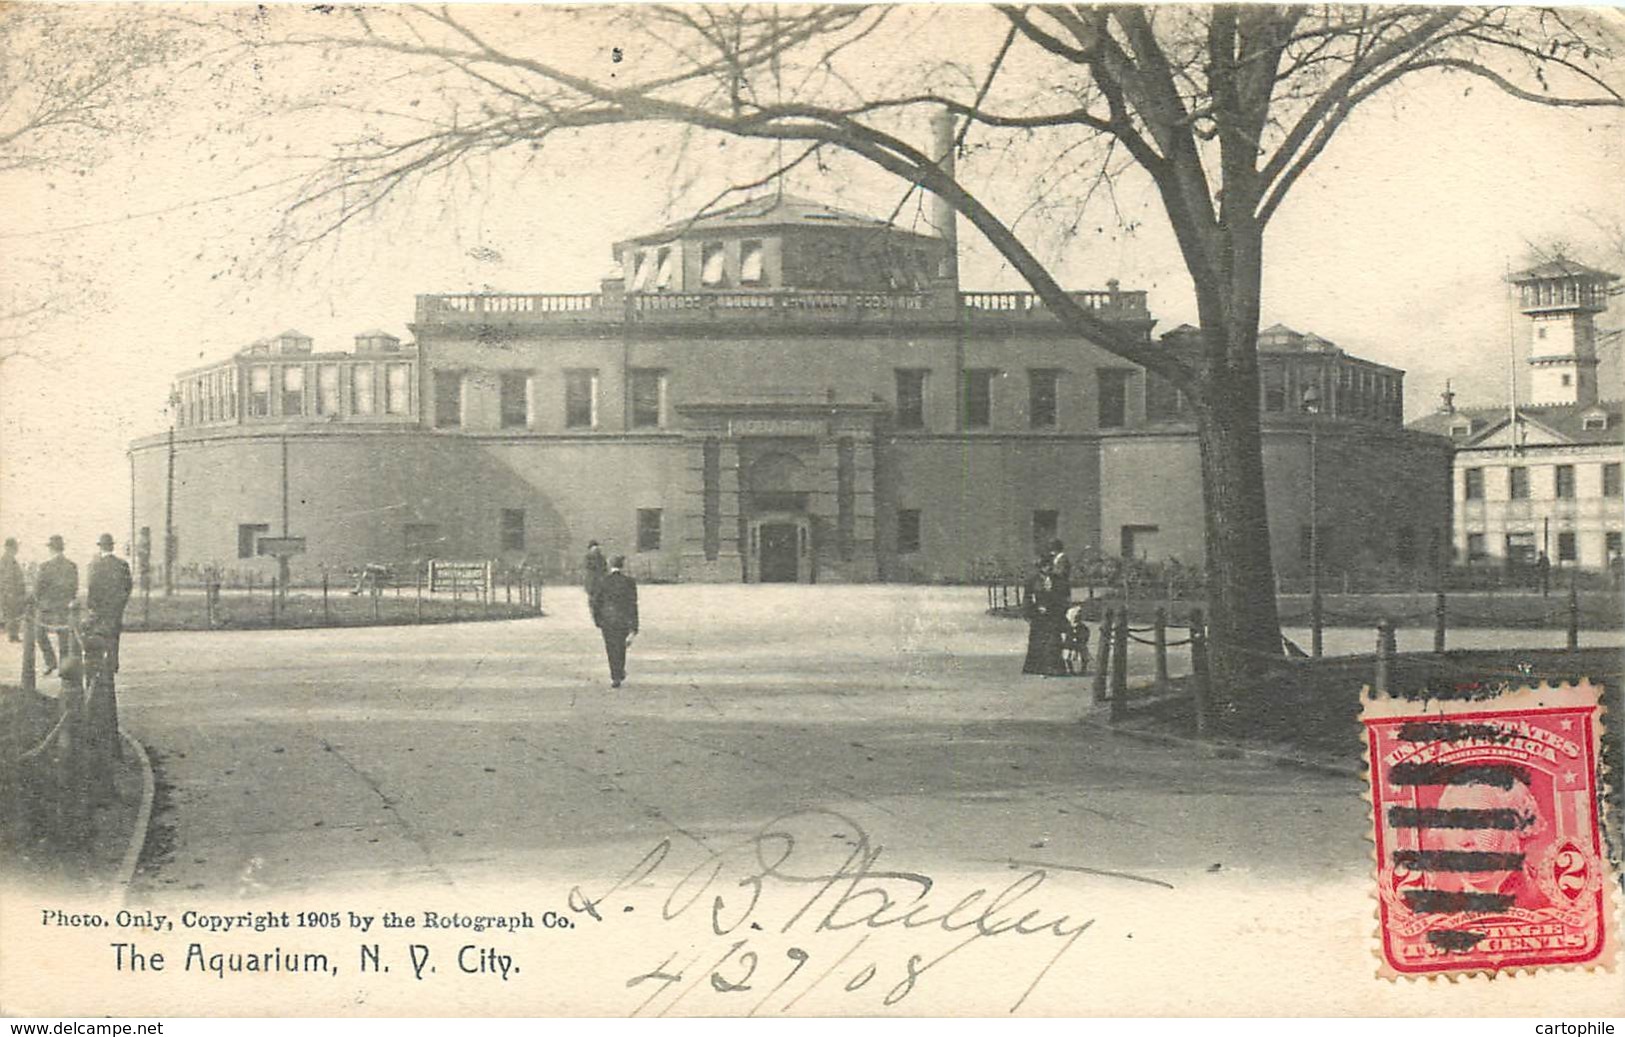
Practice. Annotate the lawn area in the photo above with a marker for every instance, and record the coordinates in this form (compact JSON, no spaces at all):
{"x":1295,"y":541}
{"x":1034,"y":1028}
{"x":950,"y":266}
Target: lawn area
{"x":1311,"y":708}
{"x":238,"y":610}
{"x":1597,"y":610}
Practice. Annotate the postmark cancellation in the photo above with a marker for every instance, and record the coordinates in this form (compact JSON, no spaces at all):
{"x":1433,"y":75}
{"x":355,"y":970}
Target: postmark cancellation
{"x":1486,"y":819}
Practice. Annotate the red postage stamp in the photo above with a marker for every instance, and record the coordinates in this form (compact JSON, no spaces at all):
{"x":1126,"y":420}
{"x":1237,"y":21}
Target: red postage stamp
{"x":1486,"y":817}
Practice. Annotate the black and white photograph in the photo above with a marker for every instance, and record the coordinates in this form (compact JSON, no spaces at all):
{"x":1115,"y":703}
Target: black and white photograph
{"x":788,"y":511}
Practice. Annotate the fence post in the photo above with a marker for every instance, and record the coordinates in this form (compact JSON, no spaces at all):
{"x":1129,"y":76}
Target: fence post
{"x":377,"y":591}
{"x":1438,"y":621}
{"x":327,"y":615}
{"x":274,"y":596}
{"x":1201,"y":687}
{"x":208,"y":600}
{"x":1159,"y":636}
{"x":1119,"y":706}
{"x":418,"y":579}
{"x":1103,"y":661}
{"x":30,"y":640}
{"x":1574,"y":617}
{"x":1385,"y":658}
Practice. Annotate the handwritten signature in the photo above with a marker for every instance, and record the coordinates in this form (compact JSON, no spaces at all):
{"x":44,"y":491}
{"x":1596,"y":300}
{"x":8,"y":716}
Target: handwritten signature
{"x":772,"y":883}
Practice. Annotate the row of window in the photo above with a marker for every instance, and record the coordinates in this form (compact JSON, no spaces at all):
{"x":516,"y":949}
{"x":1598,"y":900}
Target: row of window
{"x":1352,"y":392}
{"x":647,"y":390}
{"x":423,"y":540}
{"x":1518,"y":482}
{"x":1043,"y":396}
{"x":351,"y":388}
{"x":654,"y":270}
{"x":1521,"y":547}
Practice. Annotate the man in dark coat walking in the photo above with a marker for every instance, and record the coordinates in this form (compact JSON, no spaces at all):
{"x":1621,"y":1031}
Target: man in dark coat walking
{"x":13,"y":591}
{"x":615,"y":611}
{"x":107,"y":592}
{"x":54,"y":590}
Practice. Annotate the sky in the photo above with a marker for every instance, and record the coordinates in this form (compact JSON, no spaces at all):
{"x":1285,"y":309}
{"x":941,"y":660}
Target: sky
{"x":1395,"y":247}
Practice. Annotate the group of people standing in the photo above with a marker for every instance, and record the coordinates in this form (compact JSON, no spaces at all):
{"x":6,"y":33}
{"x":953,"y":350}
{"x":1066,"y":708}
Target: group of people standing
{"x":613,"y":597}
{"x":56,"y":587}
{"x":1046,"y":602}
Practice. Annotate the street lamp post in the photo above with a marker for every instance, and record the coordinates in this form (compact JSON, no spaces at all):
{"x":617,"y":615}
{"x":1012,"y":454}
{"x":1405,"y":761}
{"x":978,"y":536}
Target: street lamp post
{"x":1311,"y":407}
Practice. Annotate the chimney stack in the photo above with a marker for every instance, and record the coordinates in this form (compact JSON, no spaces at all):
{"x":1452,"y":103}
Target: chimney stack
{"x":943,"y":214}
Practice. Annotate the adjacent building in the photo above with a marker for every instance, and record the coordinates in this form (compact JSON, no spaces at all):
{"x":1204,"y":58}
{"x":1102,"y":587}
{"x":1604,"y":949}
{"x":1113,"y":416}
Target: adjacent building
{"x":1542,"y":476}
{"x":777,"y":391}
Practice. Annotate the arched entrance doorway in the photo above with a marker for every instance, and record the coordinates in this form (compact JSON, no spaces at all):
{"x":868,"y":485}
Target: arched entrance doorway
{"x":780,"y":547}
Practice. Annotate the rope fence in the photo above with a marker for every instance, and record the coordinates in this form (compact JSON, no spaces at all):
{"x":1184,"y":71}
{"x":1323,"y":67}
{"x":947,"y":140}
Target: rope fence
{"x":56,"y":784}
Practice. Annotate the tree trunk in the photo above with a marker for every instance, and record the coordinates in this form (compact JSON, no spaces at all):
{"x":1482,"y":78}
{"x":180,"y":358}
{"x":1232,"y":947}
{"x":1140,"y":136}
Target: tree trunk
{"x":1243,"y":623}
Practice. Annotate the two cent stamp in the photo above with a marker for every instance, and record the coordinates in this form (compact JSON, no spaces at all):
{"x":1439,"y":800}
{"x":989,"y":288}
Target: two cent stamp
{"x":1489,"y":849}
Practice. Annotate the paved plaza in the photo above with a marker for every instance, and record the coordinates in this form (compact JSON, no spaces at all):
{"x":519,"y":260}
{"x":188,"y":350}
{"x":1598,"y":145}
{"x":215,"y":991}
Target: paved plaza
{"x":774,"y":746}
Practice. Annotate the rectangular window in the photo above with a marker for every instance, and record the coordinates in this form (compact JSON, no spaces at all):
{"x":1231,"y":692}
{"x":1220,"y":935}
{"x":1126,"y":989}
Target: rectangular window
{"x":1274,"y":379}
{"x":259,"y":391}
{"x":1610,"y":480}
{"x":361,"y":389}
{"x":422,"y":541}
{"x":448,"y":399}
{"x":1042,"y":385}
{"x":979,"y":398}
{"x":910,"y":398}
{"x":1518,"y":483}
{"x":648,"y":398}
{"x":642,"y":270}
{"x":664,"y":271}
{"x":649,"y":529}
{"x":908,"y":531}
{"x":1113,"y":397}
{"x":1565,"y":482}
{"x":750,"y":262}
{"x":1046,"y":526}
{"x":515,"y":405}
{"x":397,"y":388}
{"x":1565,"y":547}
{"x":1611,"y":544}
{"x":513,"y":529}
{"x":712,"y":260}
{"x":581,"y":399}
{"x":327,"y":389}
{"x":1472,"y":487}
{"x":293,"y":389}
{"x":1477,"y":547}
{"x":248,"y":535}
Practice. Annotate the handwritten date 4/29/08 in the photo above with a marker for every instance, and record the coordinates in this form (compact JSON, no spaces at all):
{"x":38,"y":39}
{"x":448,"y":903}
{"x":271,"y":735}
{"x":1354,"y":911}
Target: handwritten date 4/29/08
{"x":790,"y":880}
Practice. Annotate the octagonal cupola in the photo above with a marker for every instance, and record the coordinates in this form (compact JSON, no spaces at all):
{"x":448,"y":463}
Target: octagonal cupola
{"x":777,"y":242}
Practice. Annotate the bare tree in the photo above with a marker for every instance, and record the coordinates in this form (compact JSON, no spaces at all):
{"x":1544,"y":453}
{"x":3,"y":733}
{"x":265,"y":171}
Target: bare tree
{"x":1224,"y":109}
{"x":73,"y":82}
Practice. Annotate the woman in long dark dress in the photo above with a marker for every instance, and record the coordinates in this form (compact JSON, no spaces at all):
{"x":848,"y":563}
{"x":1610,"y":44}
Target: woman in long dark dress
{"x":1045,"y":613}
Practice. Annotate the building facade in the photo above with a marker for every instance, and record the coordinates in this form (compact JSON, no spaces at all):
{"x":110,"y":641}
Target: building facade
{"x":780,"y":391}
{"x":1542,"y":478}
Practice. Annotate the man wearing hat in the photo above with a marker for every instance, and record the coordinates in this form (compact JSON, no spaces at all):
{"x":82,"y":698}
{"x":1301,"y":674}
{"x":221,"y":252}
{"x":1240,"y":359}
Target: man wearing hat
{"x":615,"y":611}
{"x":13,"y":591}
{"x":54,"y":590}
{"x":106,"y":594}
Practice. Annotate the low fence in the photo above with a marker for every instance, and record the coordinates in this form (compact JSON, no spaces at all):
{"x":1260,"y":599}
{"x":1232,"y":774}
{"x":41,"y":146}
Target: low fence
{"x":434,"y":592}
{"x":53,"y":787}
{"x":1288,"y":672}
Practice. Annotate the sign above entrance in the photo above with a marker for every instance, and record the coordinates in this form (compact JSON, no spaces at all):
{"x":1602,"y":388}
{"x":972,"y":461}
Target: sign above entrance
{"x":801,"y":427}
